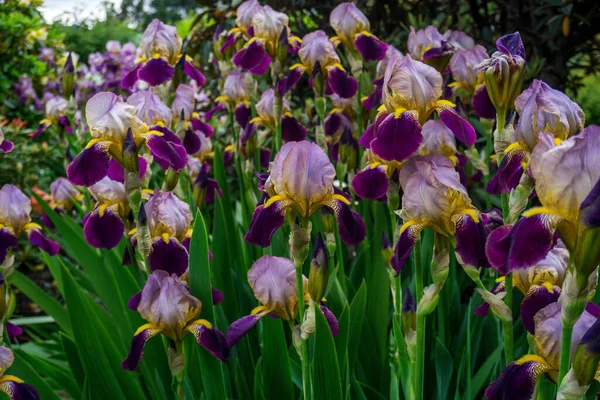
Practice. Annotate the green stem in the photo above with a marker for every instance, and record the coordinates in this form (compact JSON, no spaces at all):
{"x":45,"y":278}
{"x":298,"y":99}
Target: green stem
{"x":565,"y":352}
{"x":359,"y":106}
{"x":420,"y":356}
{"x":488,"y":153}
{"x":508,"y":326}
{"x":278,"y":106}
{"x":469,"y":369}
{"x":306,"y":385}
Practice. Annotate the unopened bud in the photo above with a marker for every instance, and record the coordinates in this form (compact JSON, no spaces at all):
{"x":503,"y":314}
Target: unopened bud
{"x":497,"y":305}
{"x":519,"y":197}
{"x":299,"y":243}
{"x":328,"y":220}
{"x":587,"y":356}
{"x":573,"y":299}
{"x":503,"y":138}
{"x":409,"y":313}
{"x":387,"y":250}
{"x":310,"y":323}
{"x":318,"y":83}
{"x":282,"y":47}
{"x":319,"y":271}
{"x":297,"y":339}
{"x":440,"y":262}
{"x":430,"y":299}
{"x":570,"y":388}
{"x":200,"y":187}
{"x":171,"y":180}
{"x":68,"y":77}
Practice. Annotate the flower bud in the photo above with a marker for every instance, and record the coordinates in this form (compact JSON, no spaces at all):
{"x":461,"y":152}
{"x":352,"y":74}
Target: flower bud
{"x":200,"y":187}
{"x":297,"y":339}
{"x":310,"y":323}
{"x":573,"y":298}
{"x":299,"y":243}
{"x":328,"y":220}
{"x":430,"y":299}
{"x":570,"y":388}
{"x":318,"y":83}
{"x":319,"y":271}
{"x":587,"y":356}
{"x":68,"y":77}
{"x":282,"y":46}
{"x":441,"y":259}
{"x":143,"y":233}
{"x":409,"y":313}
{"x":171,"y":180}
{"x":503,"y":138}
{"x":497,"y":305}
{"x":176,"y":363}
{"x":519,"y":197}
{"x":387,"y":250}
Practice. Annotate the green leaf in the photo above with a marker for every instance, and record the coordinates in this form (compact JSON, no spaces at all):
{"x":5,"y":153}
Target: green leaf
{"x":277,"y":377}
{"x":444,"y":367}
{"x":258,"y":385}
{"x":70,"y":350}
{"x":357,"y":313}
{"x":483,"y":373}
{"x":45,"y":301}
{"x":326,"y":373}
{"x":200,"y":287}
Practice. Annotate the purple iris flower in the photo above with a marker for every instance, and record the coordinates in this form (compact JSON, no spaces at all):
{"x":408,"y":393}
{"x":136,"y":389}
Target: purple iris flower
{"x":292,"y":129}
{"x":12,"y":386}
{"x":56,"y":108}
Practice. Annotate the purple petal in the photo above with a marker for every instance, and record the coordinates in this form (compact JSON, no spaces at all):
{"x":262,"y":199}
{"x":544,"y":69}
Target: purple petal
{"x":517,"y":382}
{"x":341,"y":83}
{"x":369,"y":134}
{"x":461,"y":128}
{"x":209,"y":114}
{"x":63,"y":121}
{"x":261,"y":68}
{"x":593,"y":309}
{"x":171,"y":257}
{"x":511,"y":44}
{"x":397,"y":138}
{"x":217,"y":296}
{"x":286,"y":84}
{"x":170,"y":153}
{"x":253,"y":58}
{"x":192,"y":72}
{"x":130,"y":78}
{"x":333,"y":123}
{"x":156,"y":71}
{"x":331,"y":320}
{"x":264,"y":223}
{"x":212,"y":340}
{"x":191,"y":142}
{"x":13,"y":330}
{"x":351,"y":226}
{"x":134,"y":301}
{"x":482,"y":310}
{"x":212,"y":186}
{"x":229,"y":41}
{"x":265,"y":157}
{"x":590,"y":208}
{"x":103,"y":232}
{"x":405,"y":244}
{"x":292,"y":130}
{"x":19,"y":391}
{"x":482,"y":104}
{"x":241,"y":327}
{"x":41,"y":129}
{"x":370,"y":48}
{"x":7,"y":240}
{"x":470,"y":242}
{"x":374,"y":99}
{"x":90,"y":166}
{"x":537,"y":298}
{"x":49,"y":246}
{"x":203,"y":127}
{"x":242,"y":115}
{"x":116,"y":172}
{"x":47,"y":222}
{"x":136,"y":351}
{"x":508,"y":175}
{"x":6,"y":146}
{"x":371,"y":183}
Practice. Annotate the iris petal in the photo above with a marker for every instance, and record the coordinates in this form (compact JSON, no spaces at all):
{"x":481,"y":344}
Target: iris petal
{"x":136,"y":351}
{"x":103,"y":231}
{"x":537,"y":298}
{"x":264,"y":223}
{"x":38,"y":239}
{"x":370,"y":48}
{"x":470,"y":241}
{"x":371,"y":183}
{"x":406,"y":242}
{"x":211,"y":339}
{"x":90,"y":166}
{"x":168,"y":256}
{"x":156,"y":71}
{"x":397,"y":138}
{"x":240,"y":328}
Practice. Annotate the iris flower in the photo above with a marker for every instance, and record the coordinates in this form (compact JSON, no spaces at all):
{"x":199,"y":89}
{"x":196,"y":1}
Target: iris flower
{"x":435,"y":198}
{"x":170,"y":309}
{"x":196,"y":130}
{"x":567,"y":183}
{"x":411,"y":94}
{"x":519,"y":378}
{"x":11,"y":385}
{"x":291,"y":128}
{"x":56,"y":109}
{"x":301,"y":179}
{"x":159,"y":52}
{"x":273,"y":281}
{"x":15,"y":208}
{"x":541,"y":109}
{"x":5,"y":145}
{"x":352,"y":28}
{"x":110,"y":120}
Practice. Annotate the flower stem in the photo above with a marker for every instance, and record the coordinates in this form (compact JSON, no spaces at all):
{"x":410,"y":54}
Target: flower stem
{"x":306,"y":384}
{"x":488,"y":153}
{"x":509,"y":351}
{"x":420,"y":350}
{"x":565,"y":352}
{"x":278,"y":110}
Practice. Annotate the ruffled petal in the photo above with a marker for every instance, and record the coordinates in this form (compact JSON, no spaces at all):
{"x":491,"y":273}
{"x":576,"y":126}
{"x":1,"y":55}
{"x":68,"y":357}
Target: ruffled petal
{"x":371,"y":183}
{"x":253,"y":58}
{"x":203,"y":127}
{"x":103,"y":231}
{"x":38,"y":239}
{"x":370,"y":48}
{"x":167,"y":152}
{"x":264,"y":223}
{"x":536,"y":299}
{"x":156,"y":71}
{"x":351,"y":226}
{"x":292,"y":130}
{"x":18,"y":391}
{"x":6,"y":146}
{"x":517,"y":382}
{"x":470,"y":241}
{"x":136,"y":351}
{"x":397,"y":138}
{"x":90,"y":166}
{"x":459,"y":126}
{"x":508,"y":175}
{"x":211,"y":339}
{"x":192,"y":72}
{"x":341,"y":83}
{"x":168,"y":256}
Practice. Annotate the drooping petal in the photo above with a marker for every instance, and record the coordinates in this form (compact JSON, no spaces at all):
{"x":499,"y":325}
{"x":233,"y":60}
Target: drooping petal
{"x":168,"y":256}
{"x":38,"y":239}
{"x":192,"y":72}
{"x":461,"y":128}
{"x":406,"y":242}
{"x":292,"y":130}
{"x":369,"y":47}
{"x":482,"y":104}
{"x":103,"y":231}
{"x":130,"y":78}
{"x":134,"y":301}
{"x":371,"y":183}
{"x":17,"y":390}
{"x":341,"y":83}
{"x":136,"y":351}
{"x":156,"y":71}
{"x":211,"y":339}
{"x":517,"y":382}
{"x":470,"y":241}
{"x":590,"y":208}
{"x":508,"y":175}
{"x":242,"y":115}
{"x":331,"y":320}
{"x":191,"y":142}
{"x":217,"y":295}
{"x":288,"y":82}
{"x":536,"y":299}
{"x":240,"y":328}
{"x":264,"y":223}
{"x":397,"y":138}
{"x":90,"y":166}
{"x":202,"y":126}
{"x":168,"y":152}
{"x":7,"y":240}
{"x":41,"y":129}
{"x":350,"y":224}
{"x":374,"y":99}
{"x":13,"y":330}
{"x":251,"y":56}
{"x":116,"y":172}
